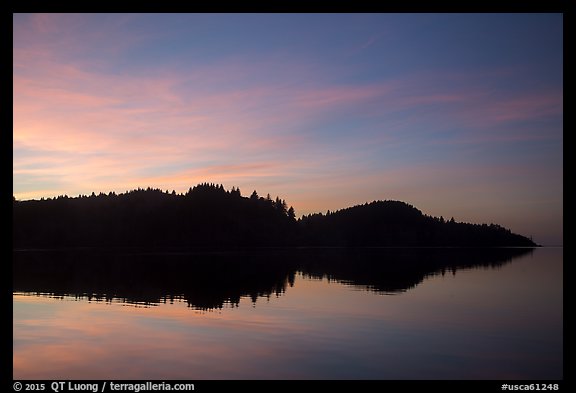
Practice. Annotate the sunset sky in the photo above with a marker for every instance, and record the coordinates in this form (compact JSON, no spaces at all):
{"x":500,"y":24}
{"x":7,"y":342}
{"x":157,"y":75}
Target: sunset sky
{"x":457,"y":114}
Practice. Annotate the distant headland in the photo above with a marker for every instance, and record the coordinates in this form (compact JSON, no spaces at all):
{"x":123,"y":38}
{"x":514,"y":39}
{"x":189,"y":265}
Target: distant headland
{"x":207,"y":215}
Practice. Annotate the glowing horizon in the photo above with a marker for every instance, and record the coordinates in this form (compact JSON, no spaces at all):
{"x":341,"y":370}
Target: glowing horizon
{"x":458,"y":115}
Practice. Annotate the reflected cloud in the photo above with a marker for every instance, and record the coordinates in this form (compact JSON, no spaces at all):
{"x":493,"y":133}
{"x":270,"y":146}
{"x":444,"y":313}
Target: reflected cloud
{"x":320,"y":330}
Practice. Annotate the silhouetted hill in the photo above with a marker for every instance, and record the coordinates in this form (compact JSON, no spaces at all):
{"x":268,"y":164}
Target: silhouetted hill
{"x":208,"y":215}
{"x":395,"y":223}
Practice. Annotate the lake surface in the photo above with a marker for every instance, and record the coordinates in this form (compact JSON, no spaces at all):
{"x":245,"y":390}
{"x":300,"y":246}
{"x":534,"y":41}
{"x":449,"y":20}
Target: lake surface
{"x":289,"y":314}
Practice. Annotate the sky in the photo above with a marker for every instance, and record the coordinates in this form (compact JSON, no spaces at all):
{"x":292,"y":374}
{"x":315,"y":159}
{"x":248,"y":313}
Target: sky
{"x":460,"y":115}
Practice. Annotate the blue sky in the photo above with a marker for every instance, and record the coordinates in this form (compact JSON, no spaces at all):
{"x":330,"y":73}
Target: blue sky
{"x":457,"y":114}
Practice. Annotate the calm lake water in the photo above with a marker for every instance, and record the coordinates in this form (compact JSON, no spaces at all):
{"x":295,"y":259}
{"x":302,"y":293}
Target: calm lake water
{"x":317,"y":314}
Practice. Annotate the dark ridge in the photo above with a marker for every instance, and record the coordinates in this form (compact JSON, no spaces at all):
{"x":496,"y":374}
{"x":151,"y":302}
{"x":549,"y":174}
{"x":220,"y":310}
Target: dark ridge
{"x":398,"y":224}
{"x":209,"y":216}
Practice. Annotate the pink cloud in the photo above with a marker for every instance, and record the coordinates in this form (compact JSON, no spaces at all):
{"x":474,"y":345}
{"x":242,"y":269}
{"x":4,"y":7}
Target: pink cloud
{"x":46,"y":23}
{"x":526,"y":107}
{"x":471,"y":100}
{"x":122,"y":124}
{"x":337,"y":96}
{"x":239,"y":124}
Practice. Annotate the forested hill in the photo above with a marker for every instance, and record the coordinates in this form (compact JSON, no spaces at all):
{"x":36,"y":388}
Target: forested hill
{"x":395,"y":223}
{"x":208,"y":215}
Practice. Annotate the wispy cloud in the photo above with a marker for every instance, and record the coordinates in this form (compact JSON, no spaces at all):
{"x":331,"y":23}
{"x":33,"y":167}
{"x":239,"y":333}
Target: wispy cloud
{"x":371,"y":41}
{"x":130,"y":121}
{"x":107,"y":103}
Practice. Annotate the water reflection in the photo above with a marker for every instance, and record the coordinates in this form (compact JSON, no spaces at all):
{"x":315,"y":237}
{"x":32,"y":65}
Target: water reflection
{"x":210,"y":280}
{"x":481,"y":323}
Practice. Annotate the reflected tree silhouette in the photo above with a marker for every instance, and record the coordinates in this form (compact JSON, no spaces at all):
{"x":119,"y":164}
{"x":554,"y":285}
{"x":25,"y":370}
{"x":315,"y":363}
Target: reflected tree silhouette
{"x":210,"y":280}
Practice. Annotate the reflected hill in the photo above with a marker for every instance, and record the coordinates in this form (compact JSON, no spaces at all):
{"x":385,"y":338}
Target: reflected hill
{"x":209,"y":280}
{"x":396,"y":270}
{"x":205,"y":280}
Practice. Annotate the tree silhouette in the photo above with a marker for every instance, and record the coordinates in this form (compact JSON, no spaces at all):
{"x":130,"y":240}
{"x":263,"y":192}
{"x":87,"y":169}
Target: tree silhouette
{"x":207,"y":280}
{"x":291,"y":213}
{"x":208,"y":215}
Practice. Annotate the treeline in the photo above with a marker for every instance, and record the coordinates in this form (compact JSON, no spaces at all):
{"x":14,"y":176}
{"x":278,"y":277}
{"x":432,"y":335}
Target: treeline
{"x":395,"y":223}
{"x":208,"y":215}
